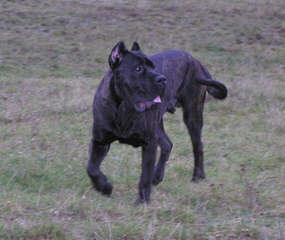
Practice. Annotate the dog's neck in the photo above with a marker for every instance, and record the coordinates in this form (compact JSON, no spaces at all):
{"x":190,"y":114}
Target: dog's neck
{"x":114,"y":95}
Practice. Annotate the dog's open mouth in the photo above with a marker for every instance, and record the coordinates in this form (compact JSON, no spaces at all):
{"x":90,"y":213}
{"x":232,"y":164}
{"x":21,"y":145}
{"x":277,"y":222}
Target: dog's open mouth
{"x":142,"y":106}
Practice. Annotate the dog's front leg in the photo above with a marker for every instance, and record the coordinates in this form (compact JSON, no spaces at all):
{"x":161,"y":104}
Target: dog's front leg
{"x":98,"y":179}
{"x":148,"y":163}
{"x":165,"y":146}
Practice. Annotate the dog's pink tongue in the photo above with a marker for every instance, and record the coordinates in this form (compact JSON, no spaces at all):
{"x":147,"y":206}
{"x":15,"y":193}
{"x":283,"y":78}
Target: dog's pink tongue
{"x":157,"y":100}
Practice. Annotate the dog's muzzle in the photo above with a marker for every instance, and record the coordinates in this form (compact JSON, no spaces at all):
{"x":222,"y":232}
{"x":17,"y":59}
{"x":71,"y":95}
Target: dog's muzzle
{"x":142,"y":106}
{"x":160,"y":83}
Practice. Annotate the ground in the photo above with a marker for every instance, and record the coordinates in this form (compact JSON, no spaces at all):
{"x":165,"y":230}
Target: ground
{"x":53,"y":55}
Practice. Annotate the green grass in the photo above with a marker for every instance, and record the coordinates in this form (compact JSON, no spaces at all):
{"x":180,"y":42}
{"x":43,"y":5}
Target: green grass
{"x":52,"y":57}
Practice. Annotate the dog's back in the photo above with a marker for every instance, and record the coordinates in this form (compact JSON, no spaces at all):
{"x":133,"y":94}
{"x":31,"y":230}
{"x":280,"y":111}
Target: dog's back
{"x":186,"y":76}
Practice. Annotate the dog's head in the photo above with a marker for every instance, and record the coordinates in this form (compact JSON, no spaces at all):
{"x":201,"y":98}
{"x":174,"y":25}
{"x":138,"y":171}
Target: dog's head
{"x":135,"y":80}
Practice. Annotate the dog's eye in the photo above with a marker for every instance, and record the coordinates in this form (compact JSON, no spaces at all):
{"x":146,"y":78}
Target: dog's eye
{"x":139,"y":68}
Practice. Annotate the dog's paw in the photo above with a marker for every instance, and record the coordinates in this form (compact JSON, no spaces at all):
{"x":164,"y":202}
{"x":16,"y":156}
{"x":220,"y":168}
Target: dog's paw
{"x":144,"y":194}
{"x":101,"y":184}
{"x":198,"y":176}
{"x":106,"y":189}
{"x":157,"y":179}
{"x":158,"y":175}
{"x":140,"y":201}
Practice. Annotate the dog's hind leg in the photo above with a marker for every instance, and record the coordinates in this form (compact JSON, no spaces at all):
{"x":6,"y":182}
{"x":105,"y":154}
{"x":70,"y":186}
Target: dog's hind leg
{"x":193,"y":118}
{"x":165,"y":149}
{"x":99,"y":180}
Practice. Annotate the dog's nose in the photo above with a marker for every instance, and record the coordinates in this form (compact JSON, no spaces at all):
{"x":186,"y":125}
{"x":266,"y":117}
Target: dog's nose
{"x":160,"y":79}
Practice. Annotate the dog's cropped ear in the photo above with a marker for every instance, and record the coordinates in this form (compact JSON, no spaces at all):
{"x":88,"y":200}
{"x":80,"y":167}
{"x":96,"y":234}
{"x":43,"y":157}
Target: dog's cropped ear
{"x":117,"y":54}
{"x":136,"y":47}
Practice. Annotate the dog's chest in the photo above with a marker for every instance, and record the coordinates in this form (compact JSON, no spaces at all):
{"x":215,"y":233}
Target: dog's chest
{"x":137,"y":131}
{"x":135,"y":141}
{"x":133,"y":132}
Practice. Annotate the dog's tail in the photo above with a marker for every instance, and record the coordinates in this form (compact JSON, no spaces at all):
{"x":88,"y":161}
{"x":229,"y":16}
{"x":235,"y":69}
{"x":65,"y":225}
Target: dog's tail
{"x":215,"y":88}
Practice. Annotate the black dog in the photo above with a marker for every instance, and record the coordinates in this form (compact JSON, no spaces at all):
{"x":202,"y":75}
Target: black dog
{"x":129,"y":105}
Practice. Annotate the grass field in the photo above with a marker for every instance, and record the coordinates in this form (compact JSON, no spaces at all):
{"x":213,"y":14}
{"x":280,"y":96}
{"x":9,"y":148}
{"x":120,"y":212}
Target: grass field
{"x":52,"y":57}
